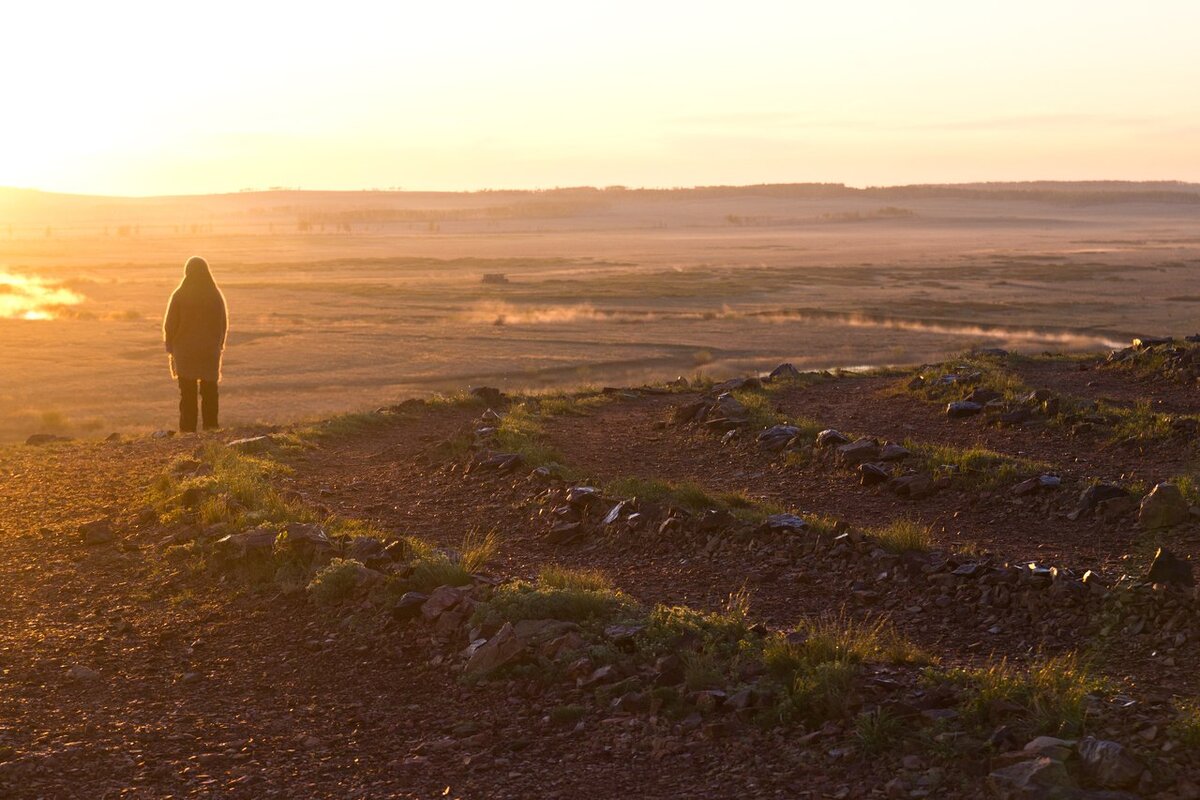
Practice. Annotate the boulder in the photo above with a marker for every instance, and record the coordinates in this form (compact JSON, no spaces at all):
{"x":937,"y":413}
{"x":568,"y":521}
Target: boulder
{"x":1164,"y":507}
{"x":912,"y":486}
{"x":1109,"y":765}
{"x":728,"y":412}
{"x":503,"y":648}
{"x":1170,"y":569}
{"x":409,"y":606}
{"x":982,"y":396}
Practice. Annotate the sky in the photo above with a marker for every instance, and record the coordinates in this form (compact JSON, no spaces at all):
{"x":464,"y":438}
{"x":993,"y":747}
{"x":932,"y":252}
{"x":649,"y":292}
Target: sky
{"x":134,"y":98}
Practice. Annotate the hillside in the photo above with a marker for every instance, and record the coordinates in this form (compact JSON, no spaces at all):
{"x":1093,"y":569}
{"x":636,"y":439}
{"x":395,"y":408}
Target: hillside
{"x":937,"y":581}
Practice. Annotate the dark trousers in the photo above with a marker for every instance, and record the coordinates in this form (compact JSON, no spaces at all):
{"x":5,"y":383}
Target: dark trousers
{"x":187,"y":404}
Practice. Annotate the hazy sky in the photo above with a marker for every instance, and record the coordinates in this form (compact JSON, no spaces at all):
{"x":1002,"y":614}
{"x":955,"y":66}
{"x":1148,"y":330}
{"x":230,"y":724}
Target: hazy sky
{"x":172,"y":97}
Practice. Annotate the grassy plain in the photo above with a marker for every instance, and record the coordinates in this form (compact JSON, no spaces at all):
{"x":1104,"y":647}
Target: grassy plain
{"x":343,"y":301}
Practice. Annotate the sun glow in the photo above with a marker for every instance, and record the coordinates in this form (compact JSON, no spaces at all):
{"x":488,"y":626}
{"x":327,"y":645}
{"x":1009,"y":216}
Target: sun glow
{"x":31,"y":298}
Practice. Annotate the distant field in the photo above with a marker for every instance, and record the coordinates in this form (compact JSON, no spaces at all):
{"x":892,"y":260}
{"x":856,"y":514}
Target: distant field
{"x":345,"y":301}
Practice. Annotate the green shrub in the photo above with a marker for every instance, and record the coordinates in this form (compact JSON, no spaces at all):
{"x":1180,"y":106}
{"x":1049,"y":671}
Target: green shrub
{"x":335,"y":583}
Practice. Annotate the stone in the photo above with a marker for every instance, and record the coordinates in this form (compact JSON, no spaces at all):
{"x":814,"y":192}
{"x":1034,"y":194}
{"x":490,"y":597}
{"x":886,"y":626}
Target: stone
{"x":538,"y":631}
{"x":963,"y":408}
{"x":1036,"y":778}
{"x":503,"y":648}
{"x":784,"y":372}
{"x":367,"y":549}
{"x":777,"y":437}
{"x":912,"y":486}
{"x":873,"y":474}
{"x":981,"y":396}
{"x":858,"y":451}
{"x":409,"y":606}
{"x":163,"y":434}
{"x":613,"y":514}
{"x":1164,"y":507}
{"x":81,"y":674}
{"x":254,"y":445}
{"x":728,"y":412}
{"x":1170,"y":569}
{"x":1036,"y":484}
{"x":490,"y":395}
{"x":39,"y":439}
{"x":1018,"y":416}
{"x":688,"y":413}
{"x":565,"y":532}
{"x":305,"y":541}
{"x":1092,"y":496}
{"x":1050,"y":747}
{"x":582,"y":496}
{"x":442,"y":600}
{"x":1109,"y":765}
{"x":783,"y":523}
{"x":831,"y":438}
{"x":256,"y":542}
{"x":893,"y":452}
{"x":99,"y":531}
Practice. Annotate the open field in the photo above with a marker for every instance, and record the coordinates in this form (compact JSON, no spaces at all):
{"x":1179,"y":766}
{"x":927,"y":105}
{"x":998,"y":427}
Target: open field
{"x":344,"y":301}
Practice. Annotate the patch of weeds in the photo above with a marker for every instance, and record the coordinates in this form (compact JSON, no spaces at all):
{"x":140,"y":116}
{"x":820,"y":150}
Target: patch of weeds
{"x":1048,"y":697}
{"x":761,"y":407}
{"x":1139,"y":423}
{"x":571,"y":405}
{"x":976,"y":466}
{"x":459,"y":399}
{"x":559,"y":593}
{"x":344,"y":425}
{"x":878,"y":731}
{"x":564,"y":716}
{"x":902,"y":536}
{"x":520,"y":432}
{"x":723,"y":633}
{"x":688,"y":496}
{"x":237,"y":491}
{"x":335,"y":583}
{"x":1185,"y":728}
{"x":954,"y":379}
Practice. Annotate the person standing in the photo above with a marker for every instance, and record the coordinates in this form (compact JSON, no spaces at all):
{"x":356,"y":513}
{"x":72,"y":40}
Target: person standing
{"x":194,"y":331}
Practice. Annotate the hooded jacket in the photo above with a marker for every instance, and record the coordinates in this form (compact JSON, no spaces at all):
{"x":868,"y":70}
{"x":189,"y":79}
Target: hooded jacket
{"x":196,"y":324}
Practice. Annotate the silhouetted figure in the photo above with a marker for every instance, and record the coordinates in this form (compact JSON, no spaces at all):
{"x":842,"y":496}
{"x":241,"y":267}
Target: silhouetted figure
{"x":194,"y":333}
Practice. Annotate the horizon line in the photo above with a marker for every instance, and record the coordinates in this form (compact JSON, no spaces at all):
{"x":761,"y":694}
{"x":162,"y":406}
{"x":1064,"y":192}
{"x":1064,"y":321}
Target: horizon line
{"x":610,"y":187}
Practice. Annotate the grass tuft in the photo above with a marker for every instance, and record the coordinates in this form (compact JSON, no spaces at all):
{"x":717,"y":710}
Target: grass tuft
{"x":903,"y":535}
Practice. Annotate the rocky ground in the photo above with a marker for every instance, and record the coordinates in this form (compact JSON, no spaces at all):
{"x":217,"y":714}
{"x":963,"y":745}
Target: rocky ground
{"x":531,"y":596}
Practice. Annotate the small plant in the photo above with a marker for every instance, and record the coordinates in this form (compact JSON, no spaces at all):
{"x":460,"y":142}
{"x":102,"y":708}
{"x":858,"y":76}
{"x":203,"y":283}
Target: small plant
{"x":335,"y":583}
{"x":1186,"y":726}
{"x":903,"y":535}
{"x":977,"y":466}
{"x":559,"y":593}
{"x":520,"y":432}
{"x":877,"y":731}
{"x":1049,"y":696}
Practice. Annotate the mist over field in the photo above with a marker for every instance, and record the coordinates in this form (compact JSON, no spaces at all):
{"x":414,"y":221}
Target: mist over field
{"x":348,"y":300}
